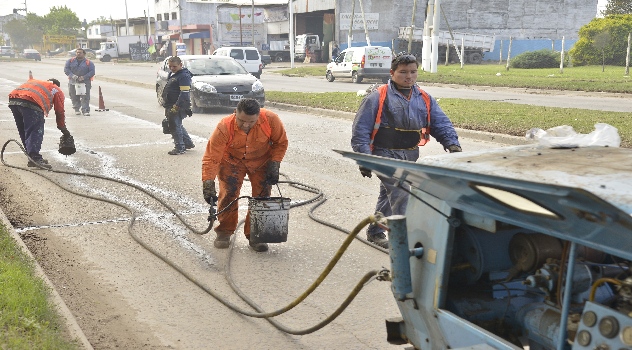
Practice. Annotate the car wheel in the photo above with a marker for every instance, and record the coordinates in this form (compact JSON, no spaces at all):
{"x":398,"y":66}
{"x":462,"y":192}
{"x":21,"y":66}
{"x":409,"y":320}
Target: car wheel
{"x":106,"y":58}
{"x":194,"y":106}
{"x":330,"y":77}
{"x":161,"y":101}
{"x":475,"y":58}
{"x":355,"y":78}
{"x":278,"y":58}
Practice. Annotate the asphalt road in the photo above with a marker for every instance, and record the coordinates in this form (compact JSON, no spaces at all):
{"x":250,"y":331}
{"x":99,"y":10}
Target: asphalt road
{"x":123,"y":296}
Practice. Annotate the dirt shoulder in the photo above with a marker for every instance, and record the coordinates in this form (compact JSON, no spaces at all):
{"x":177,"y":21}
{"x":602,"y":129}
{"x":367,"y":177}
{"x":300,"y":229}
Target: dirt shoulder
{"x":99,"y":319}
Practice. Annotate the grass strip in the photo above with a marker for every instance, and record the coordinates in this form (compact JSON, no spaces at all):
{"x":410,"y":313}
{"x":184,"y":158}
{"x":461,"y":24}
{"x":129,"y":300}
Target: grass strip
{"x":497,"y":117}
{"x":28,"y":319}
{"x":584,"y":78}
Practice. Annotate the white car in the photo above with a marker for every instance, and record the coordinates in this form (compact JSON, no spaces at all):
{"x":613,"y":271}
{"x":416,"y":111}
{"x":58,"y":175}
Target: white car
{"x":357,"y":63}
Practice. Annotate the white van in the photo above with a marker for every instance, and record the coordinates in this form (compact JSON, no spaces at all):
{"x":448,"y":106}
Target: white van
{"x":249,"y":57}
{"x":361,"y":62}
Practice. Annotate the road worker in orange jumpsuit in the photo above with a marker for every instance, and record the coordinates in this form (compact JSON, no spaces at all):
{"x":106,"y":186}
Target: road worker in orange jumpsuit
{"x":251,"y":141}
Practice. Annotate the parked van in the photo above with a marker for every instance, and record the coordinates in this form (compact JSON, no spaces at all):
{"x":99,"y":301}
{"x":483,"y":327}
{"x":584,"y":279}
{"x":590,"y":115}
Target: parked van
{"x":361,"y":62}
{"x":7,"y":51}
{"x":249,"y":57}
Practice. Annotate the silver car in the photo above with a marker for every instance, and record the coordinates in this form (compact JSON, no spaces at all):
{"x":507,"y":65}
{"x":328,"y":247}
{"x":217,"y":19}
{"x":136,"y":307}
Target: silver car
{"x":217,"y":81}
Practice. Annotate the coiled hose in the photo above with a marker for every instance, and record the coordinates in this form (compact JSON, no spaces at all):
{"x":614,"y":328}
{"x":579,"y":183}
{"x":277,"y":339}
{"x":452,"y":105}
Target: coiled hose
{"x":320,"y":198}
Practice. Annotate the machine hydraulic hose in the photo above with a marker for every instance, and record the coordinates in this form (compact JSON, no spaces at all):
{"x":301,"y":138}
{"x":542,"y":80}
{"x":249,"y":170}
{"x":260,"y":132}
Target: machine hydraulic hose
{"x":319,"y":198}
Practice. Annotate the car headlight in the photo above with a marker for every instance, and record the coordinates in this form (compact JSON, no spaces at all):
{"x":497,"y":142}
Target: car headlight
{"x":257,"y":86}
{"x":204,"y":87}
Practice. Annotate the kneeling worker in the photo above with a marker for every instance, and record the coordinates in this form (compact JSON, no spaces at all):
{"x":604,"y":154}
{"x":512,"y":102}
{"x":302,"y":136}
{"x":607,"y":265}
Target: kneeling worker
{"x":251,"y":141}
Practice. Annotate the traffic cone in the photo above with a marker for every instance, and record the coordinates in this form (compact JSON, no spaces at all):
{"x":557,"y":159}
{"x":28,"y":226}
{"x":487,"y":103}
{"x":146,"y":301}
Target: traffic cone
{"x":101,"y":103}
{"x":30,"y":75}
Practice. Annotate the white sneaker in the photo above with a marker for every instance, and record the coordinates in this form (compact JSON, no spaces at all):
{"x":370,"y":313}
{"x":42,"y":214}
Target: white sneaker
{"x":77,"y":112}
{"x":87,"y":114}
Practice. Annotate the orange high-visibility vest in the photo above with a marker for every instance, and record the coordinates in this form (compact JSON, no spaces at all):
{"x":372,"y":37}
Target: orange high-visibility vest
{"x":425,"y":132}
{"x":230,"y":125}
{"x":36,"y":91}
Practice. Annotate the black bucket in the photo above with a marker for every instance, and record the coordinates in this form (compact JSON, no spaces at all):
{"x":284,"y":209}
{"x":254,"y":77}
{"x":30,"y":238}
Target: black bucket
{"x":269,"y":218}
{"x":67,"y":145}
{"x":165,"y":126}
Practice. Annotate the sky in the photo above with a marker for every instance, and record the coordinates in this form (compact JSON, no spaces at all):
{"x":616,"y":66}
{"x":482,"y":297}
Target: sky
{"x":85,"y":9}
{"x":93,"y":9}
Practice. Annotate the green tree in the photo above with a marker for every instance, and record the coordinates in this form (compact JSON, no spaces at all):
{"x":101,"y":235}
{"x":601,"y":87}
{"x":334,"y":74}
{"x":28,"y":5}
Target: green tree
{"x":100,"y":20}
{"x":62,"y":21}
{"x":25,"y":32}
{"x":617,"y":7}
{"x":592,"y":46}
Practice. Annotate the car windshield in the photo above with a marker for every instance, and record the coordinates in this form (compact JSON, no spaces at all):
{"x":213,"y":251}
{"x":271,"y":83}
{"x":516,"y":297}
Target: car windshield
{"x":214,"y":67}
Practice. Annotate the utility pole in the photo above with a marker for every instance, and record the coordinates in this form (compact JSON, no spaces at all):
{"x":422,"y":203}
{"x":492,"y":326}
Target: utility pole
{"x":24,"y":9}
{"x":180,"y":15}
{"x":349,"y":36}
{"x":253,"y":22}
{"x":148,"y":23}
{"x":366,"y":31}
{"x":412,"y":28}
{"x":126,"y":20}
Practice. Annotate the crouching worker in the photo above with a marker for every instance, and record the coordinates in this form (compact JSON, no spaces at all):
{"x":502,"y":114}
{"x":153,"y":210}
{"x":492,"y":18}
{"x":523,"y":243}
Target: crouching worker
{"x":251,"y":141}
{"x":30,"y":104}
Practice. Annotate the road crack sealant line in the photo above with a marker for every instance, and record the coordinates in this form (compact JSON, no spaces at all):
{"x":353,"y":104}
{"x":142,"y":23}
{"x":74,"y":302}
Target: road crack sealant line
{"x":320,"y":198}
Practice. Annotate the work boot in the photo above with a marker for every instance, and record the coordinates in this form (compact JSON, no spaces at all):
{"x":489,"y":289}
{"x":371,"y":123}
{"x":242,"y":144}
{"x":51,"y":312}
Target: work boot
{"x":379,"y":239}
{"x":39,"y":163}
{"x":222,"y":241}
{"x":175,"y":152}
{"x":189,"y":146}
{"x":258,"y":247}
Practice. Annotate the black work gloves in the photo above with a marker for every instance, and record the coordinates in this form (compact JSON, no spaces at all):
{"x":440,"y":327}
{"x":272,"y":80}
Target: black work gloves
{"x":209,"y":192}
{"x":65,"y":132}
{"x":365,"y":172}
{"x":272,"y":173}
{"x":454,"y":148}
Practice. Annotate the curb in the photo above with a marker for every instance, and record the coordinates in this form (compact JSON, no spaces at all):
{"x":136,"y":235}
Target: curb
{"x":76,"y":333}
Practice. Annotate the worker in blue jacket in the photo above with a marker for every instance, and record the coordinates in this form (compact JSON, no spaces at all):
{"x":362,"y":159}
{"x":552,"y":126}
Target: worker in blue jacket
{"x":177,"y":103}
{"x":392,"y":122}
{"x":80,"y":71}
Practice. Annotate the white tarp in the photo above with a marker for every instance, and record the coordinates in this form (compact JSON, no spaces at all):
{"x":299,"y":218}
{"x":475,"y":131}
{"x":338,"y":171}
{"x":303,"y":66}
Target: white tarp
{"x":242,"y":2}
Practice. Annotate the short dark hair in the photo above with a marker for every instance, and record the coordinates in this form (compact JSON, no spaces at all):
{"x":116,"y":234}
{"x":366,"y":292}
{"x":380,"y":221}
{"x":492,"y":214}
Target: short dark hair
{"x":80,"y":49}
{"x":403,"y":58}
{"x":175,"y":59}
{"x":55,"y":81}
{"x":250,"y":106}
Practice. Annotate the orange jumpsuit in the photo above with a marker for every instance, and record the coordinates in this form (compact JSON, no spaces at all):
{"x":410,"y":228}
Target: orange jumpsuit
{"x":247,"y":154}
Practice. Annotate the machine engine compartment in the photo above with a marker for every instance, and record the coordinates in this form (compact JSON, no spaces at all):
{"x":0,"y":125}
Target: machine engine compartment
{"x":511,"y":282}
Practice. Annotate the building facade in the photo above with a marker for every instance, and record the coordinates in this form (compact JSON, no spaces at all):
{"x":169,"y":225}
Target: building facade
{"x":218,"y":24}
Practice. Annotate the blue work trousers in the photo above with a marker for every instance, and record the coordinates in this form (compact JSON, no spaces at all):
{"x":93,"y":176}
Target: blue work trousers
{"x":392,"y":199}
{"x":181,"y":138}
{"x":80,"y":102}
{"x":30,"y":125}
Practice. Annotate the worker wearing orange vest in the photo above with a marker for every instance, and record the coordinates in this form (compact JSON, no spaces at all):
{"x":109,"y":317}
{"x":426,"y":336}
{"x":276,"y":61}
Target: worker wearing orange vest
{"x":251,"y":141}
{"x":80,"y":70}
{"x":30,"y":104}
{"x":393,"y":122}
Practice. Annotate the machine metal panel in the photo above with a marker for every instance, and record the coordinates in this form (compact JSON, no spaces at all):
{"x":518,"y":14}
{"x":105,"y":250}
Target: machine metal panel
{"x":587,"y":192}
